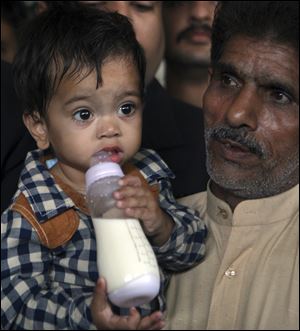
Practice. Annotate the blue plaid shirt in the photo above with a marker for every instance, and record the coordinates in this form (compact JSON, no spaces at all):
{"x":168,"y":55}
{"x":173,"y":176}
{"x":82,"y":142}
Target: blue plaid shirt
{"x":44,"y":288}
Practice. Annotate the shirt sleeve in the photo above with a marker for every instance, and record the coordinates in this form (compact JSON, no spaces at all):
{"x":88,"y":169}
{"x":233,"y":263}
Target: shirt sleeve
{"x":186,"y":245}
{"x":29,"y":298}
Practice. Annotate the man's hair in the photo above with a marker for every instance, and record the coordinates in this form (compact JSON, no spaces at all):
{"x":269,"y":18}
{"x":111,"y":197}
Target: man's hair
{"x":276,"y":21}
{"x":64,"y":42}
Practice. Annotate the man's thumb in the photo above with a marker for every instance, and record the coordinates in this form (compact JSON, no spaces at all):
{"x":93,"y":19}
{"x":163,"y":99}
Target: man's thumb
{"x":100,"y":297}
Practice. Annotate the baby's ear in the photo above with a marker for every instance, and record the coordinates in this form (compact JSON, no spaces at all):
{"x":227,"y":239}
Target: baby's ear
{"x":37,"y":127}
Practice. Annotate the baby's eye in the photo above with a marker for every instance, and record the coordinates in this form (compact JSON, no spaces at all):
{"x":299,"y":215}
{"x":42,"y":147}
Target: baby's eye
{"x":127,"y":109}
{"x":82,"y":115}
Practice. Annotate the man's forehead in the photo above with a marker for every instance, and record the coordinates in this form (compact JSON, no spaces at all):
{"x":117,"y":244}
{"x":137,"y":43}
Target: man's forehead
{"x":259,"y":59}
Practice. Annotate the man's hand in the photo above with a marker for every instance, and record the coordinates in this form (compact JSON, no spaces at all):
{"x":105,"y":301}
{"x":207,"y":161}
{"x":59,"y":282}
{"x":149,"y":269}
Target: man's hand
{"x":105,"y":319}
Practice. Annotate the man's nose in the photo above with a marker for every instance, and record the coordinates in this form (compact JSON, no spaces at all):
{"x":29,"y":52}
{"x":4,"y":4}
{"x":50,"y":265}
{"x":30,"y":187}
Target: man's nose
{"x":202,"y":10}
{"x":244,"y":109}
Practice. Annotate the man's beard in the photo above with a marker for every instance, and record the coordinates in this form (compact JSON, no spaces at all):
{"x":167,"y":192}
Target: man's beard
{"x":270,"y":179}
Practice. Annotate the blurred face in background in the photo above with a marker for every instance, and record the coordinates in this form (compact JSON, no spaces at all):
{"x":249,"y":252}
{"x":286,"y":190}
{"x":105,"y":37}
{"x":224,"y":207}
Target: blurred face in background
{"x":146,"y":18}
{"x":8,"y":41}
{"x":188,"y":31}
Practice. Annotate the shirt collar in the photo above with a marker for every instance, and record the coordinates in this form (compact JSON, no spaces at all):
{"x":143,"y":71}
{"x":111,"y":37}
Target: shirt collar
{"x":254,"y":212}
{"x":47,"y":197}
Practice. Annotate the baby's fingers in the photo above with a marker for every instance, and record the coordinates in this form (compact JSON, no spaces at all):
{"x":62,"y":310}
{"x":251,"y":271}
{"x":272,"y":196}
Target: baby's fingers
{"x":130,"y":180}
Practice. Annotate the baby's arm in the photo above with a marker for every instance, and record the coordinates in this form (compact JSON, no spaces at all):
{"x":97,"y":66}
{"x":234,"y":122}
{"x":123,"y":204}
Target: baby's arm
{"x":186,"y":245}
{"x":32,"y":300}
{"x":138,"y":201}
{"x":176,"y":232}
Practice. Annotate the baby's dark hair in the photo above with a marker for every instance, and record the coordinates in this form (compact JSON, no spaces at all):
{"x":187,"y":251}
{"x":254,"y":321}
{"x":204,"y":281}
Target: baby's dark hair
{"x":62,"y":43}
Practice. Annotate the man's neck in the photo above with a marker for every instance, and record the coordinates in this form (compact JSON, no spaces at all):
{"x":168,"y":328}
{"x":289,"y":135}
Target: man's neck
{"x":187,"y":84}
{"x":225,"y":195}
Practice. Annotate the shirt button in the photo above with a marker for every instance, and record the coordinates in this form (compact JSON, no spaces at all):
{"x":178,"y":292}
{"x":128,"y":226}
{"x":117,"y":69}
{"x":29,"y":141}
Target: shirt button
{"x":230,"y":273}
{"x":223,"y":213}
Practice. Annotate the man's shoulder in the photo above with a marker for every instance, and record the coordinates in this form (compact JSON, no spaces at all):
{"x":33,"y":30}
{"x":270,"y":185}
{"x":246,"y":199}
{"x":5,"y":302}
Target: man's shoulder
{"x":197,"y":201}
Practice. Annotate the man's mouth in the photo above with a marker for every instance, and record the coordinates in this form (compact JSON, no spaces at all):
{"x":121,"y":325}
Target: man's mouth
{"x":235,"y":146}
{"x":199,"y":36}
{"x":196,"y":34}
{"x":235,"y":152}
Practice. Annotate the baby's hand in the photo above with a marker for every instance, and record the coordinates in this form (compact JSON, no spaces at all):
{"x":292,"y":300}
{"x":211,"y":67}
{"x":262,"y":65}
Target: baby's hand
{"x":105,"y":319}
{"x":138,"y":201}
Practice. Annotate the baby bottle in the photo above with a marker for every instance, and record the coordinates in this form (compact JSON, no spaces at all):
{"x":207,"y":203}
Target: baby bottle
{"x":124,"y":256}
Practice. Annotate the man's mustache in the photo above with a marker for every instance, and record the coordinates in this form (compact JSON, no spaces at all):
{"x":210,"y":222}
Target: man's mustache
{"x":194,"y":27}
{"x":240,"y":136}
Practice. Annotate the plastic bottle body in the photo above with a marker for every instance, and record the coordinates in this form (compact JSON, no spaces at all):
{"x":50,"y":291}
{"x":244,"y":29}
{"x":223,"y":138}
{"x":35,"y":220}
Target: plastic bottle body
{"x":127,"y":262}
{"x":99,"y":195}
{"x":124,"y":256}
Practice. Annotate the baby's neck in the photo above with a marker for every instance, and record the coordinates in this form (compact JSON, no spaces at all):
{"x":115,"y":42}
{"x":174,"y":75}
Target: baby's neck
{"x":58,"y":171}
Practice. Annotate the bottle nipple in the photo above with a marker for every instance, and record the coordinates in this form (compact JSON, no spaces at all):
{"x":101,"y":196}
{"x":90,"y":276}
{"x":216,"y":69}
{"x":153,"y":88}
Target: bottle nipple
{"x":101,"y":167}
{"x":101,"y":156}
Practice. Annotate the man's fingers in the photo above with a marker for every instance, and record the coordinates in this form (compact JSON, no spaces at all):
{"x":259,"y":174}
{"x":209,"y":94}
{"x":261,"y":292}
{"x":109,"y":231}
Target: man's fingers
{"x":152,"y":322}
{"x":100,"y":299}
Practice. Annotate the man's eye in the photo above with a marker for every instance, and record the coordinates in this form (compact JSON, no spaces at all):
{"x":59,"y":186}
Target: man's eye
{"x":280,"y":97}
{"x":126,"y":110}
{"x":229,"y":81}
{"x":82,"y":115}
{"x":143,"y":6}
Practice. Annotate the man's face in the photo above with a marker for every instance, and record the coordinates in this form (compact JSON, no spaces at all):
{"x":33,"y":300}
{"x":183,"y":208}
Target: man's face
{"x":251,"y":110}
{"x":188,"y":31}
{"x":146,"y":18}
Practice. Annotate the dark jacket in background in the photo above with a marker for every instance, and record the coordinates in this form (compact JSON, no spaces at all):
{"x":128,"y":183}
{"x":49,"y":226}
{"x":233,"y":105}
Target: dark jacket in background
{"x":175,"y":130}
{"x":15,"y":139}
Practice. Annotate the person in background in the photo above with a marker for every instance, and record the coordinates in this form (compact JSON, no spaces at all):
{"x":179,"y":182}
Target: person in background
{"x":249,"y":279}
{"x":15,"y":138}
{"x":187,"y":55}
{"x":13,"y":15}
{"x":80,"y":74}
{"x":173,"y":128}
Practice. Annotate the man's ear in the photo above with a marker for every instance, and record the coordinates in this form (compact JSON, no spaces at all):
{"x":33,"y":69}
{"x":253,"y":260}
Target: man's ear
{"x":37,"y":128}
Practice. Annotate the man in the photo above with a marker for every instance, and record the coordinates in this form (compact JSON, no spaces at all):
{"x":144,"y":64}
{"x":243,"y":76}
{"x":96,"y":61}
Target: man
{"x":188,"y":42}
{"x":250,"y":277}
{"x":174,"y":129}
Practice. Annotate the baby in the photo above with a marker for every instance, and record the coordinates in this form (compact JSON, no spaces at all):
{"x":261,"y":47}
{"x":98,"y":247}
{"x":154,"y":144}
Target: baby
{"x":80,"y":74}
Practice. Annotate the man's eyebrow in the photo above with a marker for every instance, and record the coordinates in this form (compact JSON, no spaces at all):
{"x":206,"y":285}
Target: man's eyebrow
{"x":264,"y":80}
{"x":228,"y":67}
{"x":270,"y":82}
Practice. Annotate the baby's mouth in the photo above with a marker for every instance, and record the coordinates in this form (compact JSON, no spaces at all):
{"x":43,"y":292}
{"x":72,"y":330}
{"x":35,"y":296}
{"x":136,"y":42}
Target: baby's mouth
{"x":114,"y":154}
